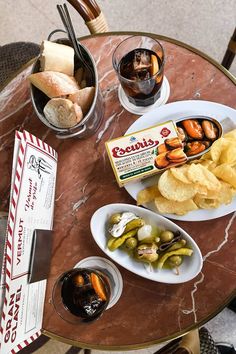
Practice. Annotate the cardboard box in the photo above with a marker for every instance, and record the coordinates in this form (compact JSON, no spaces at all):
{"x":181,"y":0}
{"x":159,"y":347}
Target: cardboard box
{"x":145,"y":152}
{"x":31,"y":208}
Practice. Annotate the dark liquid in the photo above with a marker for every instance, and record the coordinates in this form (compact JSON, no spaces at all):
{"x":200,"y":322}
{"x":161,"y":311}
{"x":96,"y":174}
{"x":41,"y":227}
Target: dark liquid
{"x":137,"y":66}
{"x":80,"y":296}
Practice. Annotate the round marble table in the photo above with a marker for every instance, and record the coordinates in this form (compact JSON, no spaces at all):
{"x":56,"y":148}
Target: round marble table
{"x":147,"y":312}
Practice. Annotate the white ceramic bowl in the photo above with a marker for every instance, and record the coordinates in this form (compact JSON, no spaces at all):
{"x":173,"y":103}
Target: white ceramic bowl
{"x":190,"y":267}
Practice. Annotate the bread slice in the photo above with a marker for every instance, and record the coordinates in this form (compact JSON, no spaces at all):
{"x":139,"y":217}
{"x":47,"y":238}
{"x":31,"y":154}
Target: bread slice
{"x":79,"y":75}
{"x":62,"y":113}
{"x":54,"y":84}
{"x":57,"y":57}
{"x":83,"y":98}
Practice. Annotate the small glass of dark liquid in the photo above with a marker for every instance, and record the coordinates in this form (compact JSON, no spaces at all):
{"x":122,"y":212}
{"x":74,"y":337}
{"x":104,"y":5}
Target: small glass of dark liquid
{"x":139,"y":64}
{"x":81,"y":295}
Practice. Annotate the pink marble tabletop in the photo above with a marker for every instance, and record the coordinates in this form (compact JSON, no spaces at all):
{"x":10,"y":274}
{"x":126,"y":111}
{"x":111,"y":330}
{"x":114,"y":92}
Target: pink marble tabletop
{"x":147,"y":312}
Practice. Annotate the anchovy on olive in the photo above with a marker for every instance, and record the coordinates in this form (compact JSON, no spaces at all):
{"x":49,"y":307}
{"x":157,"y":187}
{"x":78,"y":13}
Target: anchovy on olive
{"x":147,"y":252}
{"x":169,"y":244}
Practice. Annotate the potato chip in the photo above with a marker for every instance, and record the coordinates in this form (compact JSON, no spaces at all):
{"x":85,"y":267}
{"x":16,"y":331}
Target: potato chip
{"x":228,"y":155}
{"x":173,"y":189}
{"x":226,"y":193}
{"x":217,"y":148}
{"x":226,"y":173}
{"x":180,"y":173}
{"x":148,"y":195}
{"x":199,"y":174}
{"x":211,"y":165}
{"x":206,"y":156}
{"x":201,"y":189}
{"x":224,"y":151}
{"x":209,"y":194}
{"x":231,"y":135}
{"x":206,"y":203}
{"x":214,"y":199}
{"x":207,"y":162}
{"x":166,"y":206}
{"x":205,"y":183}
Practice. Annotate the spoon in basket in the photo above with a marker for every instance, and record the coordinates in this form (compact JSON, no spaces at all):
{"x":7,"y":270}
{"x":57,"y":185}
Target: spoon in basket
{"x":65,"y":17}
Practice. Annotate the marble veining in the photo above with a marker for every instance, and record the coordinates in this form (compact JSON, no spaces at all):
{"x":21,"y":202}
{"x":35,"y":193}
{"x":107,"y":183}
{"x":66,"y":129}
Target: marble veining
{"x":105,"y":75}
{"x":18,"y":108}
{"x":107,"y":124}
{"x":80,"y":202}
{"x":195,"y":285}
{"x":44,"y":136}
{"x":226,"y":237}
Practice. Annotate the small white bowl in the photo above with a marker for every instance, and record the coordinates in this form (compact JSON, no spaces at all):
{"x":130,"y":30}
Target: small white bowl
{"x":190,"y":267}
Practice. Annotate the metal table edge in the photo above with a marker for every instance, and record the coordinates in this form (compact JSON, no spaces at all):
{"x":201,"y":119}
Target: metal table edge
{"x":157,"y":36}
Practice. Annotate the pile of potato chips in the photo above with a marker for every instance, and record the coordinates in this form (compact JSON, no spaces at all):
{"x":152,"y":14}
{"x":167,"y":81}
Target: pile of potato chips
{"x":200,"y":184}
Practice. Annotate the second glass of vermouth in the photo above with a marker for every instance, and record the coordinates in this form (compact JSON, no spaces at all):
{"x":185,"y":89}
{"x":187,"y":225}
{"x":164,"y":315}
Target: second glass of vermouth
{"x":81,"y":295}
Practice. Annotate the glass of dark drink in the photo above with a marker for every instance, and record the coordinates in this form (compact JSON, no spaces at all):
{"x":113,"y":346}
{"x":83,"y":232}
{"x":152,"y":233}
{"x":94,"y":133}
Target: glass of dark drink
{"x":139,"y":64}
{"x":81,"y":294}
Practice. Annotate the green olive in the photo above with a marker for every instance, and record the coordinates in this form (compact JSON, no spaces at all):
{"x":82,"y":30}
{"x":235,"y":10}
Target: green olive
{"x":116,"y":242}
{"x":166,"y":236}
{"x":175,"y":261}
{"x":131,"y":243}
{"x":115,"y":218}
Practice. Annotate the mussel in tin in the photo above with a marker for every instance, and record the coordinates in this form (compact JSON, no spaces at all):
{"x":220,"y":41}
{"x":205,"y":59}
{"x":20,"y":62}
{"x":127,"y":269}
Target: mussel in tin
{"x":197,"y":134}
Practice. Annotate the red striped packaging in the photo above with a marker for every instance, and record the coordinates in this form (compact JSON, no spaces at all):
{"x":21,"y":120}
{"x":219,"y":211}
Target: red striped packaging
{"x":31,"y":207}
{"x":7,"y":242}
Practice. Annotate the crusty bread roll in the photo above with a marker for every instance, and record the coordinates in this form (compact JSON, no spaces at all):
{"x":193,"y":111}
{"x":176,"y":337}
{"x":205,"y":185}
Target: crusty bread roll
{"x":62,"y":113}
{"x":53,"y":83}
{"x":83,"y":98}
{"x":57,"y":57}
{"x":79,"y":75}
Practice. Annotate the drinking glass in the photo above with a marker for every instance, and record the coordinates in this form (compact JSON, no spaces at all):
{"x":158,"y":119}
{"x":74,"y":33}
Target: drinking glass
{"x":139,"y":64}
{"x":81,"y":294}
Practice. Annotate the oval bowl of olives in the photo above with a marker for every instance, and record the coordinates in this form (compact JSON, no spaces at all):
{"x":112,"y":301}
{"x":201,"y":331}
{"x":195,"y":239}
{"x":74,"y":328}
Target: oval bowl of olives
{"x":146,"y":243}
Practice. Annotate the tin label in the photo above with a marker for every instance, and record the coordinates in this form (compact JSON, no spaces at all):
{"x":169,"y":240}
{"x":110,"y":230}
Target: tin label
{"x":145,"y":152}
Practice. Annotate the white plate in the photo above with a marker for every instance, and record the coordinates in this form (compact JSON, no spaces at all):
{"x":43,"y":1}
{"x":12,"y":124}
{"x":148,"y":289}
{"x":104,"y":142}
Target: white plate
{"x":174,"y":111}
{"x":190,"y":267}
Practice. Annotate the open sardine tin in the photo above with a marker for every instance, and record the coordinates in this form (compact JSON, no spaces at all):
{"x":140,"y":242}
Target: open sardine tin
{"x":151,"y":151}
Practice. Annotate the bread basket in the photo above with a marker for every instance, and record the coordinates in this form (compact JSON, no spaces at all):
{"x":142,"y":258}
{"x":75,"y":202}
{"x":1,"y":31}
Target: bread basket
{"x":91,"y":121}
